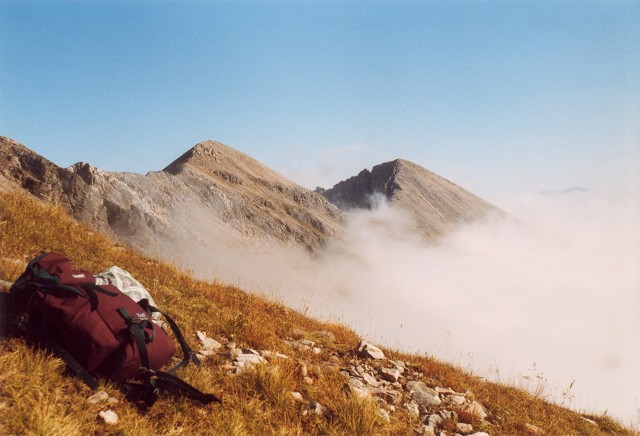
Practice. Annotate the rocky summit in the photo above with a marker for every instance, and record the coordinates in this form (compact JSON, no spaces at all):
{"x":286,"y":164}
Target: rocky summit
{"x":210,"y":190}
{"x":435,"y":203}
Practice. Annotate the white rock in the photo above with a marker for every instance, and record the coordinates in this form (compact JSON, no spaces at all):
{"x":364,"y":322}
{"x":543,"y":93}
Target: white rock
{"x":390,"y":374}
{"x":307,"y":343}
{"x":98,"y":397}
{"x":476,"y":409}
{"x":416,"y":386}
{"x":302,"y":369}
{"x":244,"y":360}
{"x":371,"y":380}
{"x":433,"y":420}
{"x":426,"y":399}
{"x":456,"y":400}
{"x":590,"y":421}
{"x":297,"y":396}
{"x":464,"y":428}
{"x":109,"y":417}
{"x":422,"y":394}
{"x":370,"y":351}
{"x":271,"y":355}
{"x":325,"y":335}
{"x":446,"y":391}
{"x":448,"y":415}
{"x":208,"y":343}
{"x":384,"y":415}
{"x":480,"y":433}
{"x":389,"y":396}
{"x":317,"y":408}
{"x":413,"y":408}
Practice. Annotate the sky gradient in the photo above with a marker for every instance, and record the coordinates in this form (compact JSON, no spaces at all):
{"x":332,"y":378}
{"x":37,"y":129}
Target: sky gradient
{"x":500,"y":97}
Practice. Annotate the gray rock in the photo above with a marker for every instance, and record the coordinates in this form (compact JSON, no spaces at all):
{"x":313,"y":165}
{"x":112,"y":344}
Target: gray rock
{"x":98,"y":397}
{"x":389,"y":396}
{"x":412,"y":407}
{"x":317,"y":409}
{"x":433,"y":420}
{"x":476,"y":409}
{"x":426,"y":399}
{"x":422,"y":394}
{"x":456,"y":400}
{"x":464,"y":428}
{"x":209,"y":345}
{"x":390,"y":374}
{"x":326,"y":335}
{"x":302,"y":369}
{"x":446,"y":391}
{"x":371,"y":380}
{"x":384,"y":415}
{"x":369,"y":351}
{"x":245,"y":360}
{"x":357,"y":387}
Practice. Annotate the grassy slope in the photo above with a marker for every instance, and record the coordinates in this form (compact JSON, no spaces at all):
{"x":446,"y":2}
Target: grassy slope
{"x":38,"y":396}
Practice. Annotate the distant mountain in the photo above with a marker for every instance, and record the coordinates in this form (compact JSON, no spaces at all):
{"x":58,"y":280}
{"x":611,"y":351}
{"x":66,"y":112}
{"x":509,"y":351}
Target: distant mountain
{"x":436,"y":203}
{"x":568,"y":191}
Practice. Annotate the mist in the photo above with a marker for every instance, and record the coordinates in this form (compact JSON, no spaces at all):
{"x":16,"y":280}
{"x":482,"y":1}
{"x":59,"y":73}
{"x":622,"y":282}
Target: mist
{"x":547,"y":299}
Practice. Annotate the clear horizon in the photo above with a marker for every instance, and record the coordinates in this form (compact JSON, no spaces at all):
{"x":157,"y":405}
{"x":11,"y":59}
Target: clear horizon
{"x":499,"y":97}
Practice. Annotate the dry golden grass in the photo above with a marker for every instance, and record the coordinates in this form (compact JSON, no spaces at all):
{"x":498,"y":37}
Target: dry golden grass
{"x":38,"y":396}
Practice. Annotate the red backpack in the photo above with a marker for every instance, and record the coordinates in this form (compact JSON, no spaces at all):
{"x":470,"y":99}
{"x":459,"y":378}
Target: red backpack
{"x":98,"y":330}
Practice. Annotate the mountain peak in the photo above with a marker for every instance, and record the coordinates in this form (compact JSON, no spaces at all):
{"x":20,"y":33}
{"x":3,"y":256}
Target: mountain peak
{"x":220,"y":162}
{"x":435,"y":202}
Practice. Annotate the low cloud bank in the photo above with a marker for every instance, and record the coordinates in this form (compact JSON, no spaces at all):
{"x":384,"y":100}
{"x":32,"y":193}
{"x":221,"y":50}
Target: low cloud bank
{"x":548,"y":301}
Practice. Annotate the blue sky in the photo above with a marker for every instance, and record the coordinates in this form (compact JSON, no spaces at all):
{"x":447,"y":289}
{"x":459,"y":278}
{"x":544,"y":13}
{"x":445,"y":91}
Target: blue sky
{"x":497,"y":96}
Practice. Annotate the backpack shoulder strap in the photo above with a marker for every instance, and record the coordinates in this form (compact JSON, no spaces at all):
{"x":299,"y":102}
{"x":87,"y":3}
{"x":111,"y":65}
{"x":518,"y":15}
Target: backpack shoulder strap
{"x":188,"y":354}
{"x":41,"y":336}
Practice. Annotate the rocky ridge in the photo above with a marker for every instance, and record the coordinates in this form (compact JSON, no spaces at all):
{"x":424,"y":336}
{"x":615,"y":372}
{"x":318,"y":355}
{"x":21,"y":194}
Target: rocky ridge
{"x":211,"y":188}
{"x":435,"y":203}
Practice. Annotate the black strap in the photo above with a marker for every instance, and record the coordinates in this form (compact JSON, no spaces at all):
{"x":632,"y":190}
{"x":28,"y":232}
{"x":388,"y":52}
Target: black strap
{"x":136,"y":326}
{"x":188,"y":354}
{"x":166,"y":381}
{"x":58,"y":351}
{"x":100,"y":289}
